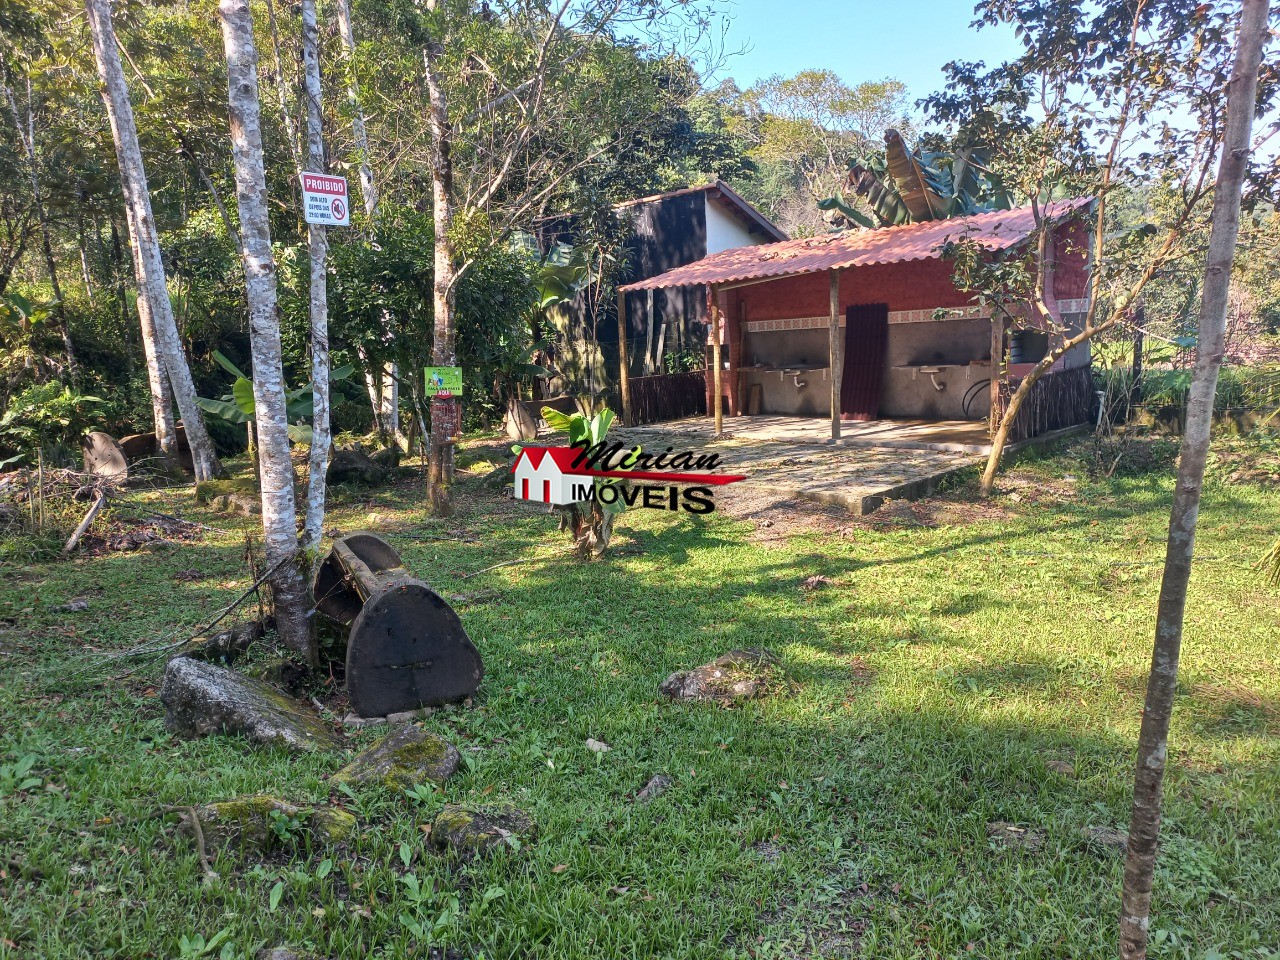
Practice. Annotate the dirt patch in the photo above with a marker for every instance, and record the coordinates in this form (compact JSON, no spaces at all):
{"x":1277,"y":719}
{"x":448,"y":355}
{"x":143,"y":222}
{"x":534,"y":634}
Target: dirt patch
{"x":778,"y":517}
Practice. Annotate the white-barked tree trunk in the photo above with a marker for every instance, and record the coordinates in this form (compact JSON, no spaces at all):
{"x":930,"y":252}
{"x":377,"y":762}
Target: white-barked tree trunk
{"x":318,"y":244}
{"x":152,"y":285}
{"x":279,"y":510}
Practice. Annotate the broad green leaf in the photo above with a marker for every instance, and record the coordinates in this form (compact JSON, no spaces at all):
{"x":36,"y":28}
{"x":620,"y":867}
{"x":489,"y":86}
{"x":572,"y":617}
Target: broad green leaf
{"x":242,"y":391}
{"x":222,"y":408}
{"x":557,"y":420}
{"x":221,"y":359}
{"x":300,"y":433}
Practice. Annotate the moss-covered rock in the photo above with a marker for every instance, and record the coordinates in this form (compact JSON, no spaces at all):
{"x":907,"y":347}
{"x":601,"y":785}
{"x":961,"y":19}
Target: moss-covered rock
{"x":202,"y":699}
{"x":738,"y":675}
{"x":260,"y":823}
{"x":471,"y":831}
{"x":407,"y":757}
{"x":209,"y":490}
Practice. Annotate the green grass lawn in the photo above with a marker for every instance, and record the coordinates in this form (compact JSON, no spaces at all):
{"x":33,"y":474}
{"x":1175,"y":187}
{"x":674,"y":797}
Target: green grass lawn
{"x":929,"y":684}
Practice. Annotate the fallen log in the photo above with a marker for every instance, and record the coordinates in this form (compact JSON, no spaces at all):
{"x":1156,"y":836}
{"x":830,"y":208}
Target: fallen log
{"x":97,"y":506}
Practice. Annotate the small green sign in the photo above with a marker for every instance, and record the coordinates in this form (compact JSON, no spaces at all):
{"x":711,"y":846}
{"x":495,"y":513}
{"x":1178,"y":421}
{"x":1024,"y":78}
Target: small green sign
{"x":444,"y":381}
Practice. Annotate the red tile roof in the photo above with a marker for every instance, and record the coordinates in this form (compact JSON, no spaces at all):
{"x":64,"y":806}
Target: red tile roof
{"x":997,"y":230}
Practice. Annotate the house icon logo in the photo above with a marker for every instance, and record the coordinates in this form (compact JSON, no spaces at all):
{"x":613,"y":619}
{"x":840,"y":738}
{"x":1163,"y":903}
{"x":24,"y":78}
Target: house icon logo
{"x":548,"y":475}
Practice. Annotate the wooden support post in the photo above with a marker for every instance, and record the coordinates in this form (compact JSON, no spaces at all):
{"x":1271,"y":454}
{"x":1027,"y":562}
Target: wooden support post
{"x":624,"y":383}
{"x":717,"y":373}
{"x":836,"y":356}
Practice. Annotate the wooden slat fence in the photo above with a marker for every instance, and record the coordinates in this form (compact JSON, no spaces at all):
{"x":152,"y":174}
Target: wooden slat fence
{"x":668,"y":396}
{"x":1063,"y":398}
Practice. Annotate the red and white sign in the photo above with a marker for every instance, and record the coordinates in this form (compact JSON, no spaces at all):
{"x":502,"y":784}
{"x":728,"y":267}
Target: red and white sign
{"x":325,"y":201}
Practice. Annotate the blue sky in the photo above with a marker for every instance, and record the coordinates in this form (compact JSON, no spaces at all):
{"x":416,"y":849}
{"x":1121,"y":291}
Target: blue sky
{"x":860,"y":40}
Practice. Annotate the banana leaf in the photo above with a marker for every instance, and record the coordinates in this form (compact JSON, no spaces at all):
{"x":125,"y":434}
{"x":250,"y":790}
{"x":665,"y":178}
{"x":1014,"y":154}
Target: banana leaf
{"x":857,"y":216}
{"x":242,"y":394}
{"x":918,"y":186}
{"x":884,"y":200}
{"x":223,"y":408}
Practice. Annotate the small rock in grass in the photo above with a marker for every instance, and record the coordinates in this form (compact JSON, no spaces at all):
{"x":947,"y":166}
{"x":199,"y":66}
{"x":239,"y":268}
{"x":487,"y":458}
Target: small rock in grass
{"x":478,"y":831}
{"x":1105,"y":839}
{"x":354,"y":721}
{"x":655,"y":788}
{"x":1011,"y":836}
{"x":816,"y":582}
{"x":78,"y":605}
{"x":202,"y":699}
{"x":738,"y":675}
{"x":284,"y":953}
{"x":1060,"y":767}
{"x":260,"y":824}
{"x":408,"y":716}
{"x":403,"y":759}
{"x":597,"y":746}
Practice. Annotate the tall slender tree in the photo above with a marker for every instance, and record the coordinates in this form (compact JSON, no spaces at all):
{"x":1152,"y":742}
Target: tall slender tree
{"x":1153,"y":740}
{"x":385,"y":396}
{"x":152,"y":284}
{"x":318,"y":245}
{"x":279,"y":509}
{"x":157,"y":377}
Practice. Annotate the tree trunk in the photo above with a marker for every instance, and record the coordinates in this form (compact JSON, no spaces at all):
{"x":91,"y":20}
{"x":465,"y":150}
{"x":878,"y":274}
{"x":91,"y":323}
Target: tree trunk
{"x":386,"y":403}
{"x":279,"y":510}
{"x":1153,"y":739}
{"x":157,"y":376}
{"x":152,"y":286}
{"x":318,"y":243}
{"x":443,"y":354}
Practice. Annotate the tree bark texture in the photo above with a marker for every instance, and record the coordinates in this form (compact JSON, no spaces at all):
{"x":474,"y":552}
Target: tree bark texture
{"x":157,"y":377}
{"x":318,"y":244}
{"x":1153,"y":738}
{"x":149,"y":267}
{"x":279,"y":511}
{"x":443,"y":354}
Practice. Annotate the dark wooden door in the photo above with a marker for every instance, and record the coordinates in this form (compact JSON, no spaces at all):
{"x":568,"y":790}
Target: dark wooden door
{"x":866,"y":338}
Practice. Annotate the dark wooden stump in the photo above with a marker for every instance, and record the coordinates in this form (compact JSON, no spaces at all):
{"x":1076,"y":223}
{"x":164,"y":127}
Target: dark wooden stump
{"x":407,"y":647}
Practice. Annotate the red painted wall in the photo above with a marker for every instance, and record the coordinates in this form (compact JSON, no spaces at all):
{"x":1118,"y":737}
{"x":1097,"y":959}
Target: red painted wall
{"x":914,"y":285}
{"x":1071,"y":260}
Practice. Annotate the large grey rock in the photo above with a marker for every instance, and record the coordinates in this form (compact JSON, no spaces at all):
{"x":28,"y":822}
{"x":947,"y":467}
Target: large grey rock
{"x":738,"y":675}
{"x":260,"y":824}
{"x":478,"y":831}
{"x":355,"y":467}
{"x":407,"y":757}
{"x":202,"y":699}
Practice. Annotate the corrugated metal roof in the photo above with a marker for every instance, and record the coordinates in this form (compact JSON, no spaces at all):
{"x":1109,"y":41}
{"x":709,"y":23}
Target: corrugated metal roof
{"x":997,"y":230}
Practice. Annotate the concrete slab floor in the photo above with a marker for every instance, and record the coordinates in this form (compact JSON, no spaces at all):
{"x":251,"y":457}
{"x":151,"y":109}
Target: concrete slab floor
{"x":958,"y":436}
{"x":790,"y":459}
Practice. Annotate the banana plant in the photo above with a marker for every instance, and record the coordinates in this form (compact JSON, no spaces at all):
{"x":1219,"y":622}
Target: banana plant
{"x":590,"y":523}
{"x":908,"y":186}
{"x":238,"y":406}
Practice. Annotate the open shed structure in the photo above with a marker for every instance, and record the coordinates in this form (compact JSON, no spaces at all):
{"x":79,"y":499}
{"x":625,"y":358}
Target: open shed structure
{"x":868,"y":325}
